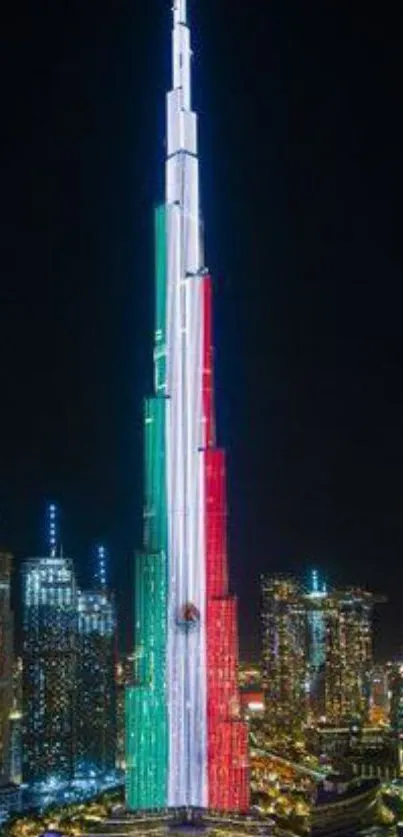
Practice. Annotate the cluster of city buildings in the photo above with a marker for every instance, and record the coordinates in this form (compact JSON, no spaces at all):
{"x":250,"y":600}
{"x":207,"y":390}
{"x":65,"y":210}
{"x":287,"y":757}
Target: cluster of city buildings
{"x":317,"y":681}
{"x":317,"y":657}
{"x":62,"y":701}
{"x":59,"y":698}
{"x":65,"y":702}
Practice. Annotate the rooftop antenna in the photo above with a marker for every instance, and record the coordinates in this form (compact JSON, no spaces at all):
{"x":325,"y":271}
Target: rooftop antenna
{"x":52,"y":529}
{"x":101,"y":566}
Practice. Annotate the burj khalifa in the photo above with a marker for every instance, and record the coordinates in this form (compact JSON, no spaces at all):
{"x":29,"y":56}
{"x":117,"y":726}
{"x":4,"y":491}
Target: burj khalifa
{"x":186,"y":744}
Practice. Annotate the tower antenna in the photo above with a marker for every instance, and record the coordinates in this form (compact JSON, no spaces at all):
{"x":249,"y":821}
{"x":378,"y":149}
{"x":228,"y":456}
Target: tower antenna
{"x":52,"y":529}
{"x":101,"y":566}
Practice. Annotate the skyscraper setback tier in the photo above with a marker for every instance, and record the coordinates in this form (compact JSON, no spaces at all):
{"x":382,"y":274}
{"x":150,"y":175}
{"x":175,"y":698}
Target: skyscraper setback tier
{"x":186,"y":744}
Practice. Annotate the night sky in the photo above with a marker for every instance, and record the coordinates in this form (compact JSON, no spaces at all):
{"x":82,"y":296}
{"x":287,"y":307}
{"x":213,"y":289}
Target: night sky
{"x":301,"y":152}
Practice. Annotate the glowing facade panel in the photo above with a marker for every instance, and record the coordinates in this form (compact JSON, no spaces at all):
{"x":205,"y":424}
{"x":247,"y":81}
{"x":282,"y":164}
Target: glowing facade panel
{"x":185,"y":743}
{"x":95,"y":702}
{"x":49,"y":602}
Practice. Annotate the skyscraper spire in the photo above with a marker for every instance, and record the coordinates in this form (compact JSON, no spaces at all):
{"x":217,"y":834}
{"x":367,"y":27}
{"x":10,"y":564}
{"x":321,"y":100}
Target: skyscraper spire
{"x":101,"y":567}
{"x":179,"y":10}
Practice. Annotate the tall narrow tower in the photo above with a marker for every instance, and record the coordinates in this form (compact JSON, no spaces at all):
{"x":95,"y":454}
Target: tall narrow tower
{"x":6,"y":664}
{"x":186,"y":744}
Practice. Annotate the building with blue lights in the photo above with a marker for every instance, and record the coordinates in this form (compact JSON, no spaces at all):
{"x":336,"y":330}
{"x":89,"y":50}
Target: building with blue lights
{"x":316,"y":599}
{"x":49,"y":605}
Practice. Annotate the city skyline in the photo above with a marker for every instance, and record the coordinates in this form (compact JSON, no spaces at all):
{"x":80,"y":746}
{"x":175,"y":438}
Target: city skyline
{"x":310,"y":407}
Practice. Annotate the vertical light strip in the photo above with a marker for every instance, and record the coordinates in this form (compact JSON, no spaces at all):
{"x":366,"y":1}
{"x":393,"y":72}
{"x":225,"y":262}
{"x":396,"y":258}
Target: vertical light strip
{"x":146,"y":704}
{"x":185,"y":480}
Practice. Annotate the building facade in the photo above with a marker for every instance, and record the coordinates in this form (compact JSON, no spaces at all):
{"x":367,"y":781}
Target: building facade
{"x":316,"y":653}
{"x":284,"y":652}
{"x":380,"y":699}
{"x":16,"y":724}
{"x":6,"y":665}
{"x":316,"y":600}
{"x":349,"y":659}
{"x":186,"y":742}
{"x":95,"y":705}
{"x":49,"y":604}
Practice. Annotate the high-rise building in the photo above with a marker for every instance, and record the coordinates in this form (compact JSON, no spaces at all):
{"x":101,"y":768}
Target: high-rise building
{"x":16,"y":724}
{"x":6,"y":665}
{"x":49,"y":605}
{"x":348,"y":654}
{"x":95,"y":707}
{"x":284,"y":651}
{"x":316,"y":652}
{"x":316,"y":603}
{"x":186,"y":743}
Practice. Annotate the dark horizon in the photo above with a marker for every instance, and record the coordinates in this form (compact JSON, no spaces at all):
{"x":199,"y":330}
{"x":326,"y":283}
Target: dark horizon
{"x":300,"y":147}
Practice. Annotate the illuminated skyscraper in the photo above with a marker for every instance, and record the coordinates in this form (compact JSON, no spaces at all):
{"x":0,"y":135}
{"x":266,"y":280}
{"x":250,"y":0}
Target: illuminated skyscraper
{"x":16,"y":724}
{"x":49,"y":604}
{"x":284,"y":652}
{"x":186,"y":744}
{"x":6,"y":665}
{"x":349,"y":654}
{"x":95,"y":728}
{"x":316,"y":652}
{"x":316,"y":602}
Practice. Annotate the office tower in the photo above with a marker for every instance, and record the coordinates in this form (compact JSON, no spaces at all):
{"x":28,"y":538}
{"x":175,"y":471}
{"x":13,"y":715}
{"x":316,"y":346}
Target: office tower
{"x":6,"y":665}
{"x":284,"y":652}
{"x":316,"y":602}
{"x":95,"y":708}
{"x":333,"y":681}
{"x":316,"y":652}
{"x":49,"y":615}
{"x":16,"y":724}
{"x":316,"y":623}
{"x":186,"y":744}
{"x":349,"y":654}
